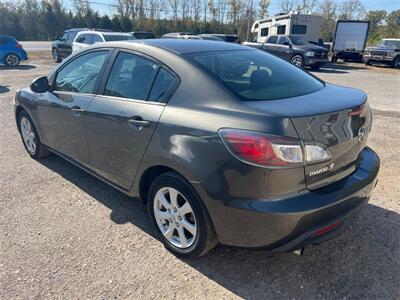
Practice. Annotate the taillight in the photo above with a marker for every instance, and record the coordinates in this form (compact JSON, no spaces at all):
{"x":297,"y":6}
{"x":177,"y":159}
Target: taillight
{"x":357,"y":110}
{"x":270,"y":150}
{"x":17,"y":45}
{"x":262,"y":149}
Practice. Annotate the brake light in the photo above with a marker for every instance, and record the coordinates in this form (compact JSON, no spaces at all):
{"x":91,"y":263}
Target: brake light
{"x":357,"y":110}
{"x":262,"y":149}
{"x":17,"y":45}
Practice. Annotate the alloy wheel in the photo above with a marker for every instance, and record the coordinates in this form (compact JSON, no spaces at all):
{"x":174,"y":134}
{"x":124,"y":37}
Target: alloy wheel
{"x":28,"y":135}
{"x":12,"y":60}
{"x":297,"y":61}
{"x":175,"y":217}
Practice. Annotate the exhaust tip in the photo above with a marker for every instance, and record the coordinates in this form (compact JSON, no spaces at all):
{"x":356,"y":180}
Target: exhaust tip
{"x":300,"y":251}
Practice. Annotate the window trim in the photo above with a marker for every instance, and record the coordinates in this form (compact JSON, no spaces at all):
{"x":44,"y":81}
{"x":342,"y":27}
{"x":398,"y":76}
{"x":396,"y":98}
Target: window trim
{"x":107,"y":73}
{"x":67,"y":62}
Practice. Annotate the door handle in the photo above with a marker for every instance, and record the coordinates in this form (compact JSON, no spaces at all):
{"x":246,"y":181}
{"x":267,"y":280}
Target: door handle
{"x":76,"y":111}
{"x":138,"y":123}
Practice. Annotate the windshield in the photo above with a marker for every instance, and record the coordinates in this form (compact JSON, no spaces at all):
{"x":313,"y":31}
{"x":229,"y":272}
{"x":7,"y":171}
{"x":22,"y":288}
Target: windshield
{"x":117,"y":37}
{"x":390,"y":43}
{"x":255,"y":75}
{"x":298,"y":40}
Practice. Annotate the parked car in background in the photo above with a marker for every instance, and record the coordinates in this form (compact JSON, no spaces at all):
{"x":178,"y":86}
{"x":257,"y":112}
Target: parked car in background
{"x":142,"y":35}
{"x":87,"y":38}
{"x":222,"y":142}
{"x":175,"y":35}
{"x":349,"y":40}
{"x":386,"y":52}
{"x":11,"y":52}
{"x":295,"y":50}
{"x":231,"y":38}
{"x":62,"y":46}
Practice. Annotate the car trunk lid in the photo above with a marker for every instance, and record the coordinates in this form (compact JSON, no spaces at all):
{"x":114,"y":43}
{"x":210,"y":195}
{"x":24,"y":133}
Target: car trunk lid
{"x":338,"y":118}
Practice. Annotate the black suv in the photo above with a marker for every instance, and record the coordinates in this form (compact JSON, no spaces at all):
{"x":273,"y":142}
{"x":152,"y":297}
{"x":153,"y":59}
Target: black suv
{"x":296,"y":50}
{"x":62,"y":46}
{"x":387,"y":52}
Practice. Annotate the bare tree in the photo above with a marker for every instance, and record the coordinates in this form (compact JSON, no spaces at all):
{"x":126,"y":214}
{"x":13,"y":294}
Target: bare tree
{"x":174,"y":4}
{"x":308,"y":6}
{"x":352,"y":10}
{"x":328,"y":10}
{"x":263,"y":8}
{"x":287,"y":6}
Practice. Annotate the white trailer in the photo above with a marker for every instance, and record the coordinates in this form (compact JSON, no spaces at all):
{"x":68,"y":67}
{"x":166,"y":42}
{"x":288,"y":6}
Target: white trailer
{"x":350,"y":39}
{"x":306,"y":25}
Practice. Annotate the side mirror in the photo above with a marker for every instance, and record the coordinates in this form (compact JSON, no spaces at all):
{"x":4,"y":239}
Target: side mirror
{"x":40,"y":85}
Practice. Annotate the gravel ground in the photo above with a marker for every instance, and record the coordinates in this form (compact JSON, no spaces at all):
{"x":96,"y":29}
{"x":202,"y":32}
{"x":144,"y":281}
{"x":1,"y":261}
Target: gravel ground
{"x":65,"y":234}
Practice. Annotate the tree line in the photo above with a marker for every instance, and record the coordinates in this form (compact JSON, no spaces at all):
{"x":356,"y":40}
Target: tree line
{"x":44,"y":19}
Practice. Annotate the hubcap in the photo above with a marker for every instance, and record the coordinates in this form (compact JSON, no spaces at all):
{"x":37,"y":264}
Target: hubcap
{"x":12,"y":60}
{"x":28,"y":135}
{"x":175,"y":217}
{"x":297,"y":60}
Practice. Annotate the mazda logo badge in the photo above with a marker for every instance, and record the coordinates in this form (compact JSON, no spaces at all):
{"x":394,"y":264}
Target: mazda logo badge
{"x":361,"y":134}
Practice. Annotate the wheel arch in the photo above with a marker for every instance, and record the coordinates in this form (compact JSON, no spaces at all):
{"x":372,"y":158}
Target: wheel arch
{"x":148,"y":176}
{"x":11,"y":52}
{"x":18,"y":109}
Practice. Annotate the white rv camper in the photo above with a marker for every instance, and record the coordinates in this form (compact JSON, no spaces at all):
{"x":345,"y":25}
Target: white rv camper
{"x":307,"y":26}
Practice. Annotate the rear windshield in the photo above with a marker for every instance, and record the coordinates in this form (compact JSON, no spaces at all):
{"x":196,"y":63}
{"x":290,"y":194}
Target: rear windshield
{"x":255,"y":75}
{"x":117,"y":37}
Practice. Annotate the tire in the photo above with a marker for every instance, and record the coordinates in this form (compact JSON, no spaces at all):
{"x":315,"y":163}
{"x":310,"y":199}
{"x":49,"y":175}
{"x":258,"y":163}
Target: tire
{"x":30,"y":137}
{"x":171,"y":225}
{"x":12,"y":60}
{"x":297,"y":60}
{"x":334,"y":59}
{"x":396,"y":62}
{"x":369,"y":63}
{"x":56,"y":55}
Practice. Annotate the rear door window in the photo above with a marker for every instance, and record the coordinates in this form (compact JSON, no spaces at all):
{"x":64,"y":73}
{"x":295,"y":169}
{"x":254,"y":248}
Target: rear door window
{"x":89,"y":39}
{"x":272,"y":39}
{"x":162,"y":86}
{"x":97,"y":39}
{"x":131,"y":77}
{"x":283,"y":40}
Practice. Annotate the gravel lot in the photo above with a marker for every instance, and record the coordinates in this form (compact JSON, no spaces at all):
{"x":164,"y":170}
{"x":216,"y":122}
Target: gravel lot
{"x":65,"y":234}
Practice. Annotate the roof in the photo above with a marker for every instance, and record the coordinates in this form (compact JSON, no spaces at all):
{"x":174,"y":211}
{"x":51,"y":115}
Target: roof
{"x":183,"y":46}
{"x":103,"y":32}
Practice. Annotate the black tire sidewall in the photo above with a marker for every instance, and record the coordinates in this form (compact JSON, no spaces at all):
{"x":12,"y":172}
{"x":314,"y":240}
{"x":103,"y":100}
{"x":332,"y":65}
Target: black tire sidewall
{"x":177,"y":182}
{"x":56,"y":59}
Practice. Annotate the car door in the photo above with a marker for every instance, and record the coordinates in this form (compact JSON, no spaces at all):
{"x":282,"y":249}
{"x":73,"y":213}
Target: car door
{"x":62,"y":110}
{"x":63,"y":45}
{"x":121,"y":121}
{"x":270,"y":45}
{"x":284,"y":49}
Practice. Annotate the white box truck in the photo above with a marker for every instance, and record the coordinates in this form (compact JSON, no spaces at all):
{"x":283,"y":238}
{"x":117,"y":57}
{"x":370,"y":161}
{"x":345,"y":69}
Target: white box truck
{"x":349,"y":40}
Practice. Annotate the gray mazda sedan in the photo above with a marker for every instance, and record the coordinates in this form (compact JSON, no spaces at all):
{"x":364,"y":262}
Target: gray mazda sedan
{"x":223,"y":143}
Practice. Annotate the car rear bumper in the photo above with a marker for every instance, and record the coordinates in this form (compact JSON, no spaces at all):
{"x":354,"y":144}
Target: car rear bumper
{"x":310,"y":61}
{"x":289,"y":223}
